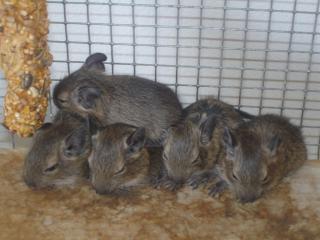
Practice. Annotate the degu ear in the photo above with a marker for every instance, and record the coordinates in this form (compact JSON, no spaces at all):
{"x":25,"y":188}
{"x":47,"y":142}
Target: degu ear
{"x":75,"y":143}
{"x":195,"y":118}
{"x":45,"y":126}
{"x":91,"y":125}
{"x":164,"y":135}
{"x":207,"y":128}
{"x":95,"y":62}
{"x":273,"y":144}
{"x":94,"y":139}
{"x":228,"y":140}
{"x":87,"y":96}
{"x":135,"y":142}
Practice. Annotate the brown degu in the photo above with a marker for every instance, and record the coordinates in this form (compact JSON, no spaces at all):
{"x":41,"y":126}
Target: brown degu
{"x":111,"y":99}
{"x":257,"y":155}
{"x":119,"y":161}
{"x":191,"y":147}
{"x":59,"y":153}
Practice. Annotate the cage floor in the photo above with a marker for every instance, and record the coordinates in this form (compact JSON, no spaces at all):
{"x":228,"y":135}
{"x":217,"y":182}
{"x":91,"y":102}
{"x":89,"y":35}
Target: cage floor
{"x":292,"y":211}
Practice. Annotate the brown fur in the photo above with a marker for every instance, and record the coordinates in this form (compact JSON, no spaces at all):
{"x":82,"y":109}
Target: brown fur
{"x":111,"y":99}
{"x":119,"y":160}
{"x":191,"y":147}
{"x":59,"y":153}
{"x":255,"y":156}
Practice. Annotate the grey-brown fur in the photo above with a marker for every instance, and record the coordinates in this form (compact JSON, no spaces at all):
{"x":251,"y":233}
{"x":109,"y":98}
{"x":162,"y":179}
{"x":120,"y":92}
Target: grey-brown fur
{"x":191,"y":147}
{"x":59,"y":152}
{"x":256,"y":155}
{"x":110,"y":99}
{"x":120,"y":161}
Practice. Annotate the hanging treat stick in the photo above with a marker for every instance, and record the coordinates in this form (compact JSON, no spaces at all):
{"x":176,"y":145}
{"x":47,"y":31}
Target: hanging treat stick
{"x":25,"y":61}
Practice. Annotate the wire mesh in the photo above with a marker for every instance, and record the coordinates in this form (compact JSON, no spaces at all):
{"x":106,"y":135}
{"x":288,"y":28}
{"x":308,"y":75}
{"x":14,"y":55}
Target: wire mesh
{"x":261,"y":56}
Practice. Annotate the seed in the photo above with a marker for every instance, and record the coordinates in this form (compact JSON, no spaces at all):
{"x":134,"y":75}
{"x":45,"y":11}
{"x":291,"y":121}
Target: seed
{"x":34,"y":92}
{"x":26,"y":80}
{"x":23,"y":13}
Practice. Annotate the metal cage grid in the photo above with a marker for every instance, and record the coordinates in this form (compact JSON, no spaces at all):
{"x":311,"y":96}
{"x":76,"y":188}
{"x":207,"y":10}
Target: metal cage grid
{"x":259,"y":55}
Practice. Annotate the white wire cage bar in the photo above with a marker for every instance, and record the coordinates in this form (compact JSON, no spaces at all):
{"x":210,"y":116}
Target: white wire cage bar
{"x":262,"y":56}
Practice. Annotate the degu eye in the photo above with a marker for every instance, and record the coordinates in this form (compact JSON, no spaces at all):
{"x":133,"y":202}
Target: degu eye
{"x":196,"y":161}
{"x":265,"y":179}
{"x":230,"y":152}
{"x":165,"y":157}
{"x":51,"y":168}
{"x":62,"y":101}
{"x":121,"y":171}
{"x":235,"y":176}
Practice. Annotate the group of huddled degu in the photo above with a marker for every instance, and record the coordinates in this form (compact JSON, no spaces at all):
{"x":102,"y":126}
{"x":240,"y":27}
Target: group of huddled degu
{"x":124,"y":132}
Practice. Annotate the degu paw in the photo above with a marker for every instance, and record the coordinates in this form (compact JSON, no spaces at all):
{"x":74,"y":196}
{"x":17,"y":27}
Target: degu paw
{"x":170,"y":184}
{"x":217,"y":188}
{"x":196,"y":180}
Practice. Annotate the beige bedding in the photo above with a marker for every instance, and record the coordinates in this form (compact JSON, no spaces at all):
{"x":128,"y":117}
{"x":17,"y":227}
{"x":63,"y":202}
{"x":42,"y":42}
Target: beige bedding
{"x":292,"y":211}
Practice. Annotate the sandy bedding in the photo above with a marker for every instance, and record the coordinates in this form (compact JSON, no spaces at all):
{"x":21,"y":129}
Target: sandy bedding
{"x":292,"y":211}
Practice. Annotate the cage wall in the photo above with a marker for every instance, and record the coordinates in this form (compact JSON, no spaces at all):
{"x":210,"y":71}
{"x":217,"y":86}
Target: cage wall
{"x":262,"y":56}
